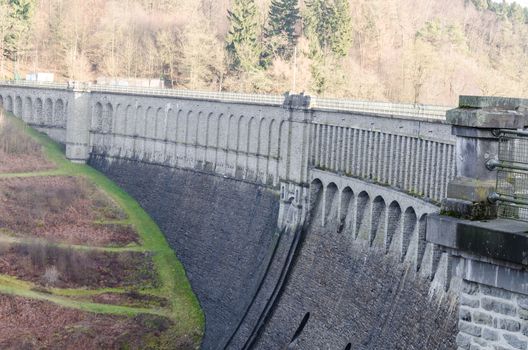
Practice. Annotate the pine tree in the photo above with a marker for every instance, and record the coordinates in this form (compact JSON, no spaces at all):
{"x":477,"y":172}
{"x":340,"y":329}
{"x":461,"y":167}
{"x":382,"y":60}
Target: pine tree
{"x":19,"y":21}
{"x":242,"y":39}
{"x":329,"y":23}
{"x":280,"y":35}
{"x":342,"y":26}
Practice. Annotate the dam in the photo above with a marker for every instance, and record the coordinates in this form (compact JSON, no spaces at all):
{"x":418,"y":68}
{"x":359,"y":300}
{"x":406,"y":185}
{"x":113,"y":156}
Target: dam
{"x":308,"y":223}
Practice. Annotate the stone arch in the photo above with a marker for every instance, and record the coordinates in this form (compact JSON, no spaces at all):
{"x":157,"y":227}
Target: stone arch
{"x":38,"y":111}
{"x":330,"y":207}
{"x":211,"y":142}
{"x":223,"y":134}
{"x":48,"y":112}
{"x":377,"y":227}
{"x":171,"y":125}
{"x":409,"y":227}
{"x":201,"y":129}
{"x":120,"y":119}
{"x":273,"y":147}
{"x":97,"y":117}
{"x":150,"y":119}
{"x":316,"y":191}
{"x":130,"y":121}
{"x":9,"y":104}
{"x":253,"y":136}
{"x":107,"y":118}
{"x":28,"y":109}
{"x":19,"y":111}
{"x":263,"y":137}
{"x":363,"y":209}
{"x":212,"y":130}
{"x":140,"y":122}
{"x":242,"y":134}
{"x":192,"y":128}
{"x":232,"y":130}
{"x":161,"y":124}
{"x":60,"y":119}
{"x":422,"y":243}
{"x":347,"y":196}
{"x":393,"y":224}
{"x":181,"y":127}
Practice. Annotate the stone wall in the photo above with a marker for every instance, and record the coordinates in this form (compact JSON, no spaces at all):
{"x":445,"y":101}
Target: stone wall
{"x":261,"y":142}
{"x":492,"y":318}
{"x":223,"y":231}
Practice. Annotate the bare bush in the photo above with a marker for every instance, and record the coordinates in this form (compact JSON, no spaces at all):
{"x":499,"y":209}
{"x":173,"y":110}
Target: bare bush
{"x":13,"y":140}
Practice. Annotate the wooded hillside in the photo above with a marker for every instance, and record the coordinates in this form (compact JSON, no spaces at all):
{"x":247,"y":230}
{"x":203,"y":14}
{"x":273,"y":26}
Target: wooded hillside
{"x":426,"y":51}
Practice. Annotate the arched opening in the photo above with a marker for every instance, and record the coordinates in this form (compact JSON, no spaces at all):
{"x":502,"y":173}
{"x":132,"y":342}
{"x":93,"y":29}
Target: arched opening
{"x":1,"y":101}
{"x":346,"y":201}
{"x":393,"y":224}
{"x":9,"y":104}
{"x":330,"y":203}
{"x":348,"y":346}
{"x":161,"y":124}
{"x":150,"y":130}
{"x":108,"y":116}
{"x":60,"y":119}
{"x":363,"y":215}
{"x":38,"y":111}
{"x":377,"y":228}
{"x":48,"y":112}
{"x":316,"y":189}
{"x":409,"y":226}
{"x":97,"y":117}
{"x":422,"y":243}
{"x":18,"y":107}
{"x":28,"y":110}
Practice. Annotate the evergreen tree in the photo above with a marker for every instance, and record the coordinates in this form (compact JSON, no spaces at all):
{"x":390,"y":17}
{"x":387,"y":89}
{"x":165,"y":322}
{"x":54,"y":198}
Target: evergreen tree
{"x":342,"y":26}
{"x":242,"y":39}
{"x":329,"y":23}
{"x":18,"y":23}
{"x":280,"y":33}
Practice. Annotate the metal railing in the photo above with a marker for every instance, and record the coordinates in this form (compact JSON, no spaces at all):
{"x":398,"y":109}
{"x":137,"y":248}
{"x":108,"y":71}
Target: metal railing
{"x":512,"y":174}
{"x":382,"y":108}
{"x":386,"y":108}
{"x":40,"y":85}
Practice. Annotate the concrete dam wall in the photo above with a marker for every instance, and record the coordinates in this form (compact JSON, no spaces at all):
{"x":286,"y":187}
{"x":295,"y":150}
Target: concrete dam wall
{"x":300,"y":226}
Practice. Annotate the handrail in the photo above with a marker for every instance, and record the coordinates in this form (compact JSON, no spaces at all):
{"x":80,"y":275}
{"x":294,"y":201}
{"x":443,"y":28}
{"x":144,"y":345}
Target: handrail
{"x":383,"y":108}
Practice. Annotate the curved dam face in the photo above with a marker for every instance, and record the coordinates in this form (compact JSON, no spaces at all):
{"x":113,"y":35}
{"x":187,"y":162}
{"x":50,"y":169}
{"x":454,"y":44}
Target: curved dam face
{"x":345,"y":293}
{"x":338,"y":288}
{"x":222,"y":231}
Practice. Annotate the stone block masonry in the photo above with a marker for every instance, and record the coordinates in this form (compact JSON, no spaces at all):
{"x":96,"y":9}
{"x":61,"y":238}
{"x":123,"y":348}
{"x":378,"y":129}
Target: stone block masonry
{"x":492,"y":318}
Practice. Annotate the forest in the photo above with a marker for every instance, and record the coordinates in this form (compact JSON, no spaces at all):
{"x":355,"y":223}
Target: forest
{"x":417,"y":51}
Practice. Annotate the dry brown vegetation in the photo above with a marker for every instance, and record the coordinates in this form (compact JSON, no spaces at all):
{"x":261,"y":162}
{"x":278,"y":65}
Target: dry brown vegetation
{"x":51,"y":266}
{"x":402,"y":50}
{"x":30,"y":324}
{"x":18,"y":151}
{"x":61,"y":209}
{"x":131,"y":298}
{"x":50,"y":225}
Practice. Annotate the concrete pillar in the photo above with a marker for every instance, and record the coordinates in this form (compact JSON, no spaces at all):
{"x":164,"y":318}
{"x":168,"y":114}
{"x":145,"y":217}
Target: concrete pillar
{"x":78,"y":124}
{"x":474,"y":124}
{"x":490,"y":257}
{"x":294,"y":165}
{"x":300,"y":117}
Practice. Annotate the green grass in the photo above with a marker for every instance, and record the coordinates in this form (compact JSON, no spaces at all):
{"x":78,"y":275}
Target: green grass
{"x":184,"y":310}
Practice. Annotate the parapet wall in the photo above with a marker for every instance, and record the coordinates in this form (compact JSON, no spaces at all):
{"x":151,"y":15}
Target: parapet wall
{"x":264,"y":142}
